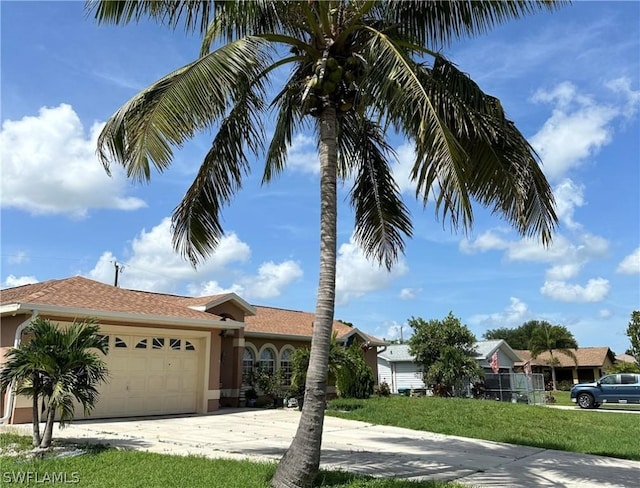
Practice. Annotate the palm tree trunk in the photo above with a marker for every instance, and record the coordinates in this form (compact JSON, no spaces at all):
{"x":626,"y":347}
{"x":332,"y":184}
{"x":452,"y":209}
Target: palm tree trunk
{"x":48,"y":428}
{"x":36,"y":414}
{"x":300,"y":464}
{"x":553,"y":378}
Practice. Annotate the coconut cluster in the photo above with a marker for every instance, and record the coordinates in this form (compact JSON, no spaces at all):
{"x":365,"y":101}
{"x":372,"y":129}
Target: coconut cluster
{"x":335,"y":80}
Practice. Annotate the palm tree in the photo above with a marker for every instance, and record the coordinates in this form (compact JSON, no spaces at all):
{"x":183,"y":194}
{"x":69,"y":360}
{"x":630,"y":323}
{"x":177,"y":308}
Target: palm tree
{"x":56,"y":366}
{"x":359,"y":70}
{"x":553,"y":338}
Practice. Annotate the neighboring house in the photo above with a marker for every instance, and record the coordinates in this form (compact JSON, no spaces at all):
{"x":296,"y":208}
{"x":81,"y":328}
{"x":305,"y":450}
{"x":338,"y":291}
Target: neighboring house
{"x":592,"y":363}
{"x":168,"y":354}
{"x":396,"y":364}
{"x":507,"y":357}
{"x":625,"y":358}
{"x":397,"y":368}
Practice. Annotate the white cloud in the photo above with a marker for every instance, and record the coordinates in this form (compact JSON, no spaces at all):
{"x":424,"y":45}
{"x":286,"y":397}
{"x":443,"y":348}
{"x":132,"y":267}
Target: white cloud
{"x":12,"y":281}
{"x":605,"y":313}
{"x":409,"y":293}
{"x":401,"y":169}
{"x":49,"y":166}
{"x":575,"y":132}
{"x":487,"y":241}
{"x":303,"y":154}
{"x":561,"y":252}
{"x":394,"y":330}
{"x":595,"y":290}
{"x":357,"y":276}
{"x":513,"y":315}
{"x":631,"y":96}
{"x":630,"y":264}
{"x":271,"y":279}
{"x":153,"y":265}
{"x":563,"y":271}
{"x":18,"y":258}
{"x":214,"y":288}
{"x":568,"y":195}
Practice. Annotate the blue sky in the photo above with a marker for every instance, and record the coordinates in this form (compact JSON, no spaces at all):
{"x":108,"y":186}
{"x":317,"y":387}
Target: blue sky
{"x":570,"y":81}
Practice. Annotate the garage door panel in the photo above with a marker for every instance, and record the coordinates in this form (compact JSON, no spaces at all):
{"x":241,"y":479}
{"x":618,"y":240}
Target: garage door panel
{"x":147,"y":381}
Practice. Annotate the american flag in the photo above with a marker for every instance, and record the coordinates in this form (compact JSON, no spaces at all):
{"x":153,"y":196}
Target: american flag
{"x":494,"y":362}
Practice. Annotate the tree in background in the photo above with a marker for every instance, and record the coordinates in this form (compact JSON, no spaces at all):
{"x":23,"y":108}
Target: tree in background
{"x":518,"y":337}
{"x":633,"y":332}
{"x":360,"y":72}
{"x":445,"y":350}
{"x":623,"y":367}
{"x":56,"y":365}
{"x":300,"y":365}
{"x":553,"y":338}
{"x":355,"y":378}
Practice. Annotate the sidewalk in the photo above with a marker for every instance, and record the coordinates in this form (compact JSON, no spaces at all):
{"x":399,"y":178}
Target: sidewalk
{"x":361,"y":447}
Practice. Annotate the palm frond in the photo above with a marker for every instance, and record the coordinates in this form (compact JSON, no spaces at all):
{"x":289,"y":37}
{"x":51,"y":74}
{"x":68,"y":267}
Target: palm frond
{"x":381,"y":218}
{"x":192,"y":14}
{"x":394,"y":88}
{"x":288,"y":104}
{"x":501,"y":171}
{"x":173,"y":109}
{"x":196,"y":221}
{"x":437,"y":23}
{"x":234,"y":20}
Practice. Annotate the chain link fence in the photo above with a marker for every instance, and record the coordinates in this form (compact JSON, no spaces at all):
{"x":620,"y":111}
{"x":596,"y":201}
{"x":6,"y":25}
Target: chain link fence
{"x":515,"y":388}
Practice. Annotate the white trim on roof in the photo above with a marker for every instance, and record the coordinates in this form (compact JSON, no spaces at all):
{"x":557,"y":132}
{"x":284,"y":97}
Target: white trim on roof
{"x":367,"y":338}
{"x":502,"y":345}
{"x":243,"y":304}
{"x":73,"y":312}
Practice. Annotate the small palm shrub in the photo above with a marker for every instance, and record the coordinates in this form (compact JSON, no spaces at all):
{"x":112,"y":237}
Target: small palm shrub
{"x":382,"y":390}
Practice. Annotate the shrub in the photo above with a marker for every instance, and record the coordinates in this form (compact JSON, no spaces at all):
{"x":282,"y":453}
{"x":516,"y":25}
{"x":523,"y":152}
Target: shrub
{"x":269,"y":384}
{"x":382,"y":389}
{"x":565,"y":385}
{"x":355,"y":379}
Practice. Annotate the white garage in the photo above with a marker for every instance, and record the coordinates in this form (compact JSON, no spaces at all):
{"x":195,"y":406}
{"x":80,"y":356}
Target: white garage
{"x":156,"y":372}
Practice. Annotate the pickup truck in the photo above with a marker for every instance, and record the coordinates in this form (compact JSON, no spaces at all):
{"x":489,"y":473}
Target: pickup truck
{"x":621,"y":388}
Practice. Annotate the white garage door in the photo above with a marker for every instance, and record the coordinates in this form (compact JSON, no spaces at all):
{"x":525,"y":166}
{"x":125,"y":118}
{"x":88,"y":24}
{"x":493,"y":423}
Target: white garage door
{"x":150,"y":375}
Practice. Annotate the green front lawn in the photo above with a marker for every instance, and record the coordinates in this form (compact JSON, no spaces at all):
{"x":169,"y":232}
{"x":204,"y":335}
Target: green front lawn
{"x":106,"y":468}
{"x":608,"y":434}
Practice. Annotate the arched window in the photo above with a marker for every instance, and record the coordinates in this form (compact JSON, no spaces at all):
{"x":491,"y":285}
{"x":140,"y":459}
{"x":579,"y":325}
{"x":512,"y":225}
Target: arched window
{"x":286,"y":366}
{"x":268,"y":360}
{"x":248,"y":360}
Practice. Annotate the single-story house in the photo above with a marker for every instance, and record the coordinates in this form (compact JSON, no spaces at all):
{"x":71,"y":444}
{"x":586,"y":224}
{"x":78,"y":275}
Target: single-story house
{"x":592,"y":363}
{"x":168,"y":354}
{"x":397,"y":368}
{"x":625,"y":358}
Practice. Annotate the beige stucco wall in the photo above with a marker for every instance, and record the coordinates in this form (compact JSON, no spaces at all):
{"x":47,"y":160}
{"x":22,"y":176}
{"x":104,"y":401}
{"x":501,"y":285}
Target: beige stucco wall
{"x":212,"y":357}
{"x":371,"y":355}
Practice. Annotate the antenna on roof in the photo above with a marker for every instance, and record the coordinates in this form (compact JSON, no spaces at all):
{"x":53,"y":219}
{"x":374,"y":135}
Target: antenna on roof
{"x":118,"y":269}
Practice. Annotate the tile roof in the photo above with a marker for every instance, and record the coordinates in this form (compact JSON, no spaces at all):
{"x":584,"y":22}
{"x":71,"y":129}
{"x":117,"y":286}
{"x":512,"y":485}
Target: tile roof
{"x":83,"y":293}
{"x":625,"y":358}
{"x":586,"y":356}
{"x":280,"y":321}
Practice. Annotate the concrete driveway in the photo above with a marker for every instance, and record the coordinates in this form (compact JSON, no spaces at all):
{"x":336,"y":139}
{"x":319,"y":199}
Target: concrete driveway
{"x":361,"y":447}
